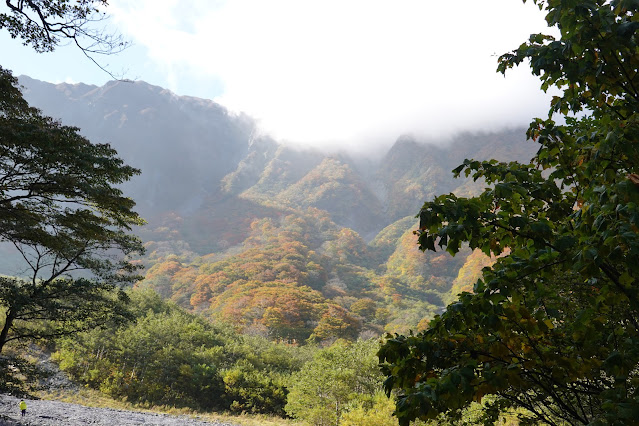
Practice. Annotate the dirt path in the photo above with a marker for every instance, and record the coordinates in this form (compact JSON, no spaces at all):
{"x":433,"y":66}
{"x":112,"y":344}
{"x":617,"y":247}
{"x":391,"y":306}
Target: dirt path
{"x":55,"y":413}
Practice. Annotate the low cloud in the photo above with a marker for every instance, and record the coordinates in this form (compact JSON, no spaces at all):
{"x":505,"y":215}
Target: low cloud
{"x":332,"y":73}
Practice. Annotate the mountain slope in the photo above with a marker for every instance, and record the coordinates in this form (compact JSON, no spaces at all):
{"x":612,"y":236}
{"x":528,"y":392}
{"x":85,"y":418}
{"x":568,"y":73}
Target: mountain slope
{"x":183,"y":145}
{"x":290,"y":243}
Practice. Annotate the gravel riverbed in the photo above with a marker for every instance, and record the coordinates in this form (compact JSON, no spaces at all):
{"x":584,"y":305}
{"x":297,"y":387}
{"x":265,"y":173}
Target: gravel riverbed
{"x":55,"y":413}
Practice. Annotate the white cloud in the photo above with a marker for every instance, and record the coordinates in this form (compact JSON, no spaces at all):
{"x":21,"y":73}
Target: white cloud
{"x":328,"y":72}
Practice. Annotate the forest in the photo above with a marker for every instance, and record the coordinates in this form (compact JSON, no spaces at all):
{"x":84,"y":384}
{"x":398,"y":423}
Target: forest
{"x":262,"y":279}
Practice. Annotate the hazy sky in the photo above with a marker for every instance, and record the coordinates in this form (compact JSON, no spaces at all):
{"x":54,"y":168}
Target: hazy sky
{"x":323,"y":72}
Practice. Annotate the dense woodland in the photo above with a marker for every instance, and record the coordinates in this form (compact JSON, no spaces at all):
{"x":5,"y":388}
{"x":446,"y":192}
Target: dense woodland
{"x":265,"y":276}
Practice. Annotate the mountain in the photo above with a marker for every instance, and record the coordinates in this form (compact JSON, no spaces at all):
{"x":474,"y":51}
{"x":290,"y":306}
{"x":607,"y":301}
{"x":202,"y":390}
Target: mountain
{"x":295,"y":244}
{"x":183,"y":145}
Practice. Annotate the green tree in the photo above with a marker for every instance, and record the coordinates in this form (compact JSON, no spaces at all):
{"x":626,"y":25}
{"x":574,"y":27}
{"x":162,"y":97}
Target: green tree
{"x":552,"y":328}
{"x":61,"y":209}
{"x":168,"y":356}
{"x":337,"y":377}
{"x":250,"y":390}
{"x":59,"y":205}
{"x":163,"y":358}
{"x":379,"y":414}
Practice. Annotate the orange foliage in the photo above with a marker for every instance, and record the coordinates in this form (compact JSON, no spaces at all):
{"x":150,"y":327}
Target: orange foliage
{"x":338,"y":323}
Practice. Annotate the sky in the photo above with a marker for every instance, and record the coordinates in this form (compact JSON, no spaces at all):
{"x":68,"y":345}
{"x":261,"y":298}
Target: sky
{"x":327,"y":73}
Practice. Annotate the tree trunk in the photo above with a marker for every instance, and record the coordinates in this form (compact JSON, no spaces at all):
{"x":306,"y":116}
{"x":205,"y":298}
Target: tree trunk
{"x":8,"y":322}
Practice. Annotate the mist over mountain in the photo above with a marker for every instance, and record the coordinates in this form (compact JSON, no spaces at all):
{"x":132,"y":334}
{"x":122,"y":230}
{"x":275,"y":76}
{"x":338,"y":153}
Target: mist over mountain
{"x":189,"y":149}
{"x":183,"y":145}
{"x":233,"y":213}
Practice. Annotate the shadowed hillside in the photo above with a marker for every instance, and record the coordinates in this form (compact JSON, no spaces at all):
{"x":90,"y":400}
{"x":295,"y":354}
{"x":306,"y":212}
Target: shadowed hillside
{"x":183,"y":145}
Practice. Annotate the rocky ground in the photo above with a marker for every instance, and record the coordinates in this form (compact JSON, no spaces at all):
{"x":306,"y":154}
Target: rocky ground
{"x":55,"y":413}
{"x":42,"y":412}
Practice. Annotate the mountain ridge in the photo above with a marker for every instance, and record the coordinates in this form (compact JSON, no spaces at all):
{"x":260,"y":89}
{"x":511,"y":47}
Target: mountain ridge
{"x":292,"y":243}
